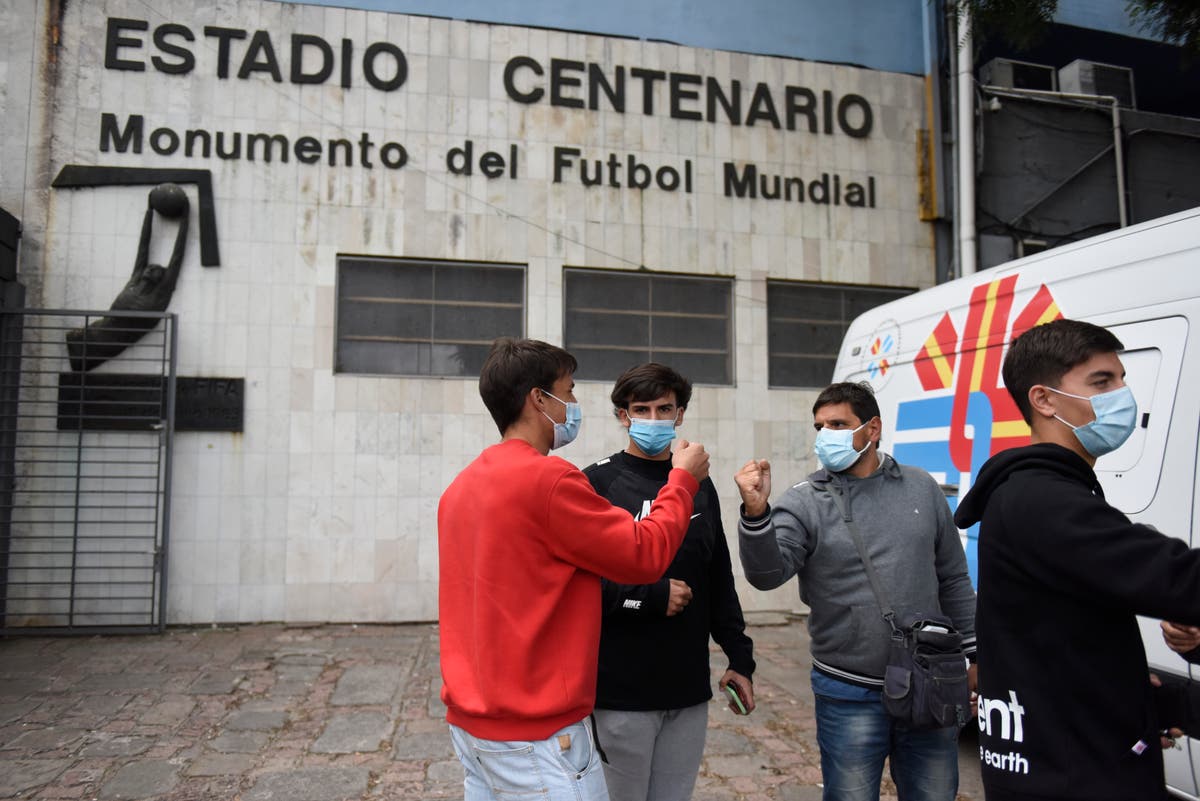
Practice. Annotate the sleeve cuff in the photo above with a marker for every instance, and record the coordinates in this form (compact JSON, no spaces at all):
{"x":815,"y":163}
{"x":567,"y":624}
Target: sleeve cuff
{"x":684,"y":479}
{"x":657,"y":597}
{"x":746,"y":670}
{"x":755,"y":522}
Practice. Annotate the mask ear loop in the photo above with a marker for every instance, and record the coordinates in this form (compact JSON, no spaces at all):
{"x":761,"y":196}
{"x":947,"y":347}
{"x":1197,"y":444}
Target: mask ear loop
{"x":545,"y":414}
{"x":1069,"y":395}
{"x":1065,"y":423}
{"x":878,"y":458}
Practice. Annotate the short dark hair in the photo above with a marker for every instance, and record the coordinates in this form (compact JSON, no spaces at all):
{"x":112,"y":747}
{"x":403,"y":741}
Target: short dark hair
{"x":515,"y":366}
{"x":859,"y":395}
{"x":1045,"y":353}
{"x":647,"y":382}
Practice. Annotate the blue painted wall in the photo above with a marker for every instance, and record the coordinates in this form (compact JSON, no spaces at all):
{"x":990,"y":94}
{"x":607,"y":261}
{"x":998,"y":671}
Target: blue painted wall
{"x":882,"y":34}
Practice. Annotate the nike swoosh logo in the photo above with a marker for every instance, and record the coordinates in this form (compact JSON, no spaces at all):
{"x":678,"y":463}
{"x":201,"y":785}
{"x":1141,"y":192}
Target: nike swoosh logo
{"x":695,"y":515}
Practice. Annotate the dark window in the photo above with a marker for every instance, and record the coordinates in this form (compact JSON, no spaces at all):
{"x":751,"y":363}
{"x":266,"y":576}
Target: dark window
{"x":806,"y":324}
{"x":413,"y":317}
{"x":614,"y":320}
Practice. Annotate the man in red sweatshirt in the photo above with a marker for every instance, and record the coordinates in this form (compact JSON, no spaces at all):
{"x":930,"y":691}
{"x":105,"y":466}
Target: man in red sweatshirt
{"x":523,"y":540}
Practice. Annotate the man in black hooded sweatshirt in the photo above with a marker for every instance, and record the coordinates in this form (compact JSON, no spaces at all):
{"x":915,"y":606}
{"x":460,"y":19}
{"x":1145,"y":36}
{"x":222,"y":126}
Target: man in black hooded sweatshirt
{"x":1066,"y":708}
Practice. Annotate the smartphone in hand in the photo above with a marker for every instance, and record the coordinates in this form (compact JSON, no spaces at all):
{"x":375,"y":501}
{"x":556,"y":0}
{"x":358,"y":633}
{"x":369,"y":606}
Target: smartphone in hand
{"x":735,"y":700}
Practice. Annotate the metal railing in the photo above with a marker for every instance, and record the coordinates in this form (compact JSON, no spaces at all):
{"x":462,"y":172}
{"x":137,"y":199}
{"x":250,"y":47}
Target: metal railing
{"x":86,"y":432}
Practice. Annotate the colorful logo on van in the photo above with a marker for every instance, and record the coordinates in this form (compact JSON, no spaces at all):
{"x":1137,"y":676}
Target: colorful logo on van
{"x":965,"y":414}
{"x":879,"y":353}
{"x":882,"y":350}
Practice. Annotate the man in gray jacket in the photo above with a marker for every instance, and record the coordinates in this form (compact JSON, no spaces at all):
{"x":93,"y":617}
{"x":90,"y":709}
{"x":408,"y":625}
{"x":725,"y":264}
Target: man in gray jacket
{"x":908,"y":531}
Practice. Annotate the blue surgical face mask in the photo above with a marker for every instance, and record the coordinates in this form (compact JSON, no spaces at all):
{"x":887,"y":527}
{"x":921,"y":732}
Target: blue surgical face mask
{"x":1116,"y":417}
{"x":652,"y":436}
{"x":565,"y":433}
{"x":835,"y":448}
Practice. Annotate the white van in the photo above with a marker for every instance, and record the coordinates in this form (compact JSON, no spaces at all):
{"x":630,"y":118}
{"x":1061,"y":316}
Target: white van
{"x":934,"y":360}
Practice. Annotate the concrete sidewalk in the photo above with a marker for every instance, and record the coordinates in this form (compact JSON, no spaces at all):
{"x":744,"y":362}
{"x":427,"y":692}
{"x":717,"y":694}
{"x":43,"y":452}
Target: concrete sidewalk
{"x":294,"y":713}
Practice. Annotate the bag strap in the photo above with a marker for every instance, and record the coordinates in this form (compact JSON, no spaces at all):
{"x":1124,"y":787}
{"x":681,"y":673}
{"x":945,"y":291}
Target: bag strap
{"x":837,"y":493}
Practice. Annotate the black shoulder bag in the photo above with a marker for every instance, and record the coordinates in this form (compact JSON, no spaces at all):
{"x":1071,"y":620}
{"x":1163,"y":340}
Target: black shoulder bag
{"x":925,"y":684}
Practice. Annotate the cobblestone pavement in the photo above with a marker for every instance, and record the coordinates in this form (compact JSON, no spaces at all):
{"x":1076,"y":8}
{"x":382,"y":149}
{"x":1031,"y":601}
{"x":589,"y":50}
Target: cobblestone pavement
{"x":322,"y":713}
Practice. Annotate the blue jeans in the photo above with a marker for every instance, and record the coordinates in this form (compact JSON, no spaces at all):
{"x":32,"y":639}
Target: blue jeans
{"x":855,"y":736}
{"x":563,"y":767}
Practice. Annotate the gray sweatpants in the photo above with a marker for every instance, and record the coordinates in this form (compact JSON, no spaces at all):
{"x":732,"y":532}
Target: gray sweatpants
{"x":652,"y":756}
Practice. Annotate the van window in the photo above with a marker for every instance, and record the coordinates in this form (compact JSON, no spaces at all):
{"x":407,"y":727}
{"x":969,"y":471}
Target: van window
{"x":1152,"y":357}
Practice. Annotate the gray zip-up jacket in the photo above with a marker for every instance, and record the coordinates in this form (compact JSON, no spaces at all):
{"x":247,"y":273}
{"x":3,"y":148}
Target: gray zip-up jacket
{"x":908,"y":531}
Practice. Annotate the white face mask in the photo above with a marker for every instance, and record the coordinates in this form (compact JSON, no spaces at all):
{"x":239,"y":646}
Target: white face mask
{"x":835,"y":448}
{"x":1116,"y":417}
{"x":565,"y":433}
{"x":652,"y":436}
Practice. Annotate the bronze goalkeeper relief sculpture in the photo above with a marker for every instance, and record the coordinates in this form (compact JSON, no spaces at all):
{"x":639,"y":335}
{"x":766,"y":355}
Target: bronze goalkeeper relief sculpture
{"x":149,"y":288}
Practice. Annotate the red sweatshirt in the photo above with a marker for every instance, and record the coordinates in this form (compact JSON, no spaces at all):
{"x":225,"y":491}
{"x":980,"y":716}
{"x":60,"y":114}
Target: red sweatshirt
{"x":522,"y":541}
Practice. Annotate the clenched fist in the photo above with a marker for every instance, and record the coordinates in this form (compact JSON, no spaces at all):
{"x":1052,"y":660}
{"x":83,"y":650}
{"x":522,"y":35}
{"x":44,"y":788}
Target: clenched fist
{"x":680,"y":597}
{"x":754,"y":483}
{"x":692,"y":457}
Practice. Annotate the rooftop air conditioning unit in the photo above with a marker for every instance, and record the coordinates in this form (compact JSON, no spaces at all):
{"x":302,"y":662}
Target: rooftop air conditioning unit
{"x":1092,"y":78}
{"x":1009,"y":74}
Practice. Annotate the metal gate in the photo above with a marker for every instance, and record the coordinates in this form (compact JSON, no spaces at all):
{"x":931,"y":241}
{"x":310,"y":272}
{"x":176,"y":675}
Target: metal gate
{"x":86,"y":430}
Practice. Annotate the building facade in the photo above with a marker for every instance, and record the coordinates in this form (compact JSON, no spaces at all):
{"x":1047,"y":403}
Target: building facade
{"x":372,"y":198}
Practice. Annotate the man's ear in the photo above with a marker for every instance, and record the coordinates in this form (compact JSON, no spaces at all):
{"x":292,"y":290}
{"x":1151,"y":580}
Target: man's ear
{"x":679,"y":418}
{"x":874,"y":429}
{"x":1040,"y":403}
{"x":622,"y":416}
{"x":535,"y":399}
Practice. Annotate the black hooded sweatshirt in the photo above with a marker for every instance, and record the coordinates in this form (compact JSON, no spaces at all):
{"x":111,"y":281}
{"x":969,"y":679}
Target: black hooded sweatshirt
{"x":1066,"y":709}
{"x":649,"y":661}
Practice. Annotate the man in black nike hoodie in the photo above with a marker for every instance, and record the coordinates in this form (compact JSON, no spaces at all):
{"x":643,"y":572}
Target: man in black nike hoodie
{"x":653,"y":683}
{"x":1066,"y":708}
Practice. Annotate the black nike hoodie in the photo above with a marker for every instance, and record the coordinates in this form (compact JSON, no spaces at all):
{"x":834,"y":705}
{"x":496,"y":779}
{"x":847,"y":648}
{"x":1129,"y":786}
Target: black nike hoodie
{"x":649,"y":661}
{"x":1066,"y":709}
